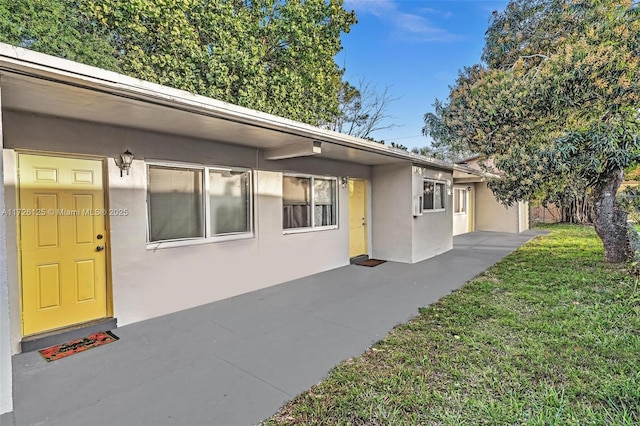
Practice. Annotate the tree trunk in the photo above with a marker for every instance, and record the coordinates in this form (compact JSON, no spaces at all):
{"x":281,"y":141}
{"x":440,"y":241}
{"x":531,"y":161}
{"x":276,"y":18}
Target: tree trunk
{"x":611,"y":222}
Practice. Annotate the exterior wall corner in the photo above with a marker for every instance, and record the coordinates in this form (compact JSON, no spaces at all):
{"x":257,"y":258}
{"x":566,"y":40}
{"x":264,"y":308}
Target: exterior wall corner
{"x":6,"y":375}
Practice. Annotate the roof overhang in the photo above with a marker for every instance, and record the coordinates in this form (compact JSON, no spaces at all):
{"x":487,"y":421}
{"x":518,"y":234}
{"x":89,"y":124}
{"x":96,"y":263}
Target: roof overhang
{"x":465,"y":174}
{"x":36,"y":83}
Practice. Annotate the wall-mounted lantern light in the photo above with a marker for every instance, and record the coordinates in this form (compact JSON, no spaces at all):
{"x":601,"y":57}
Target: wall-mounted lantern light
{"x":124,"y":163}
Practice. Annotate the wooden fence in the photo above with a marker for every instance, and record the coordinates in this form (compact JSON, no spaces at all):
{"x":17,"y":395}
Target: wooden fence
{"x":541,"y":214}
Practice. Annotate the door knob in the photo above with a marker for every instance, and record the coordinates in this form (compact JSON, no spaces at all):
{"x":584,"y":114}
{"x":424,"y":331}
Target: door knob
{"x":100,"y":248}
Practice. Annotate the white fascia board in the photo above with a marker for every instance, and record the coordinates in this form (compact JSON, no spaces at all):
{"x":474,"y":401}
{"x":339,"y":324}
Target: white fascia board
{"x":39,"y":65}
{"x":479,"y":173}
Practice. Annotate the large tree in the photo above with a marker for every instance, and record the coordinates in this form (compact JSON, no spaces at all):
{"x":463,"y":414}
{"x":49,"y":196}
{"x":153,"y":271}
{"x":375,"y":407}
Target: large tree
{"x":557,"y":98}
{"x":444,"y":144}
{"x":56,"y":27}
{"x":275,"y":56}
{"x":272,"y":55}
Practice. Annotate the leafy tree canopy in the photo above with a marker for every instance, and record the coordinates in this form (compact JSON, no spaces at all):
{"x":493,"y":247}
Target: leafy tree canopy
{"x":276,"y":56}
{"x":58,"y":28}
{"x":445,"y":144}
{"x":557,"y":99}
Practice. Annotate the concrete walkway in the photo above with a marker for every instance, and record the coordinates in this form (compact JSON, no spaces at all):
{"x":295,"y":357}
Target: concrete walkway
{"x":235,"y":362}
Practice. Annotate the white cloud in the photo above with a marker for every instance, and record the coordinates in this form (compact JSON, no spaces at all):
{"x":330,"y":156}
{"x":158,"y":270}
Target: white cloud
{"x":417,"y":28}
{"x":374,"y":7}
{"x":441,"y":13}
{"x":413,"y":23}
{"x":406,"y":26}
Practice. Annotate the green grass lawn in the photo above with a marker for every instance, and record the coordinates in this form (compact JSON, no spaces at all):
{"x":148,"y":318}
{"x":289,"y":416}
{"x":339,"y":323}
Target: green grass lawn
{"x":550,"y":335}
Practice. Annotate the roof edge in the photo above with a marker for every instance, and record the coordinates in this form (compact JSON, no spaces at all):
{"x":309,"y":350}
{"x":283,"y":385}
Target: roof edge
{"x":19,"y":60}
{"x":466,"y":169}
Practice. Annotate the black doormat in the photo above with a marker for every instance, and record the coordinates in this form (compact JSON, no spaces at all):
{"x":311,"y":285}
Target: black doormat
{"x":371,"y":262}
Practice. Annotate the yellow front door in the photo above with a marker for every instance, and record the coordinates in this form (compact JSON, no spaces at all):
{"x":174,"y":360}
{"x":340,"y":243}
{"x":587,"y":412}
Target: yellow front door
{"x":62,"y":240}
{"x":357,"y":218}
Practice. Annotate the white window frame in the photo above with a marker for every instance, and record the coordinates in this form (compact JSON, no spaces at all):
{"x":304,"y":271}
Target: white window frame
{"x":465,"y":192}
{"x":444,"y":199}
{"x":311,"y":228}
{"x":206,"y":209}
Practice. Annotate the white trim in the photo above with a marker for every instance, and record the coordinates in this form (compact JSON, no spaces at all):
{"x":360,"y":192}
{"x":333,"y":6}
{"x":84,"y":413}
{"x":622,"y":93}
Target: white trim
{"x":6,"y":377}
{"x":159,"y":245}
{"x":313,"y":228}
{"x":466,"y":201}
{"x":309,"y":175}
{"x":206,"y":206}
{"x":435,"y":181}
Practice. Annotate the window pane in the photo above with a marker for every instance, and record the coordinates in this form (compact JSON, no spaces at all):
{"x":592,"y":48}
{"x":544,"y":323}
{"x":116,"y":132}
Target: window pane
{"x":229,"y":202}
{"x":296,"y":197}
{"x":439,"y":196}
{"x":175,"y":203}
{"x":427,"y":199}
{"x":324,"y":192}
{"x":460,"y":200}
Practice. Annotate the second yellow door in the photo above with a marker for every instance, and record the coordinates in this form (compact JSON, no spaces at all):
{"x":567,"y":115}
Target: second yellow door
{"x":62,"y":242}
{"x":357,"y":218}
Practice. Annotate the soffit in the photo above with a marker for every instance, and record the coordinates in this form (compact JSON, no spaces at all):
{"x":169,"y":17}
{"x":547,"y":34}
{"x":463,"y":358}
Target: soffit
{"x":55,"y":87}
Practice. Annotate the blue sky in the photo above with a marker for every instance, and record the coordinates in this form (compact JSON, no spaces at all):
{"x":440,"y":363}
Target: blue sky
{"x":415,"y":47}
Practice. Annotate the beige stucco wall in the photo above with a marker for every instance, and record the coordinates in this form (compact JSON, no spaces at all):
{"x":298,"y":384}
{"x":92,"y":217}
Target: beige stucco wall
{"x":391,"y":212}
{"x":523,"y":222}
{"x":493,"y":216}
{"x":432,"y":231}
{"x":398,"y":235}
{"x":147,"y":283}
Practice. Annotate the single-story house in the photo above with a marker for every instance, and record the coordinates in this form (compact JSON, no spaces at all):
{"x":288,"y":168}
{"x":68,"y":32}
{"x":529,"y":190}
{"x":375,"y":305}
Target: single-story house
{"x":127,"y":200}
{"x":475,"y":208}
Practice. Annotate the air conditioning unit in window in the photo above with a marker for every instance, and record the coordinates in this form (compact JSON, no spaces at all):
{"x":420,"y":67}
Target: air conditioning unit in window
{"x":417,"y":206}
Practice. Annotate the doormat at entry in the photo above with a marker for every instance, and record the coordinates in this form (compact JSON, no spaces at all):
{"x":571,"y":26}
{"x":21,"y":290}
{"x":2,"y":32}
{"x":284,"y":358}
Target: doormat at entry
{"x":79,"y":345}
{"x":371,"y":262}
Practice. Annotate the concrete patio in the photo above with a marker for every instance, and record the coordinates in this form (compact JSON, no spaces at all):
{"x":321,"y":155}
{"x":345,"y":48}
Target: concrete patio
{"x":235,"y":362}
